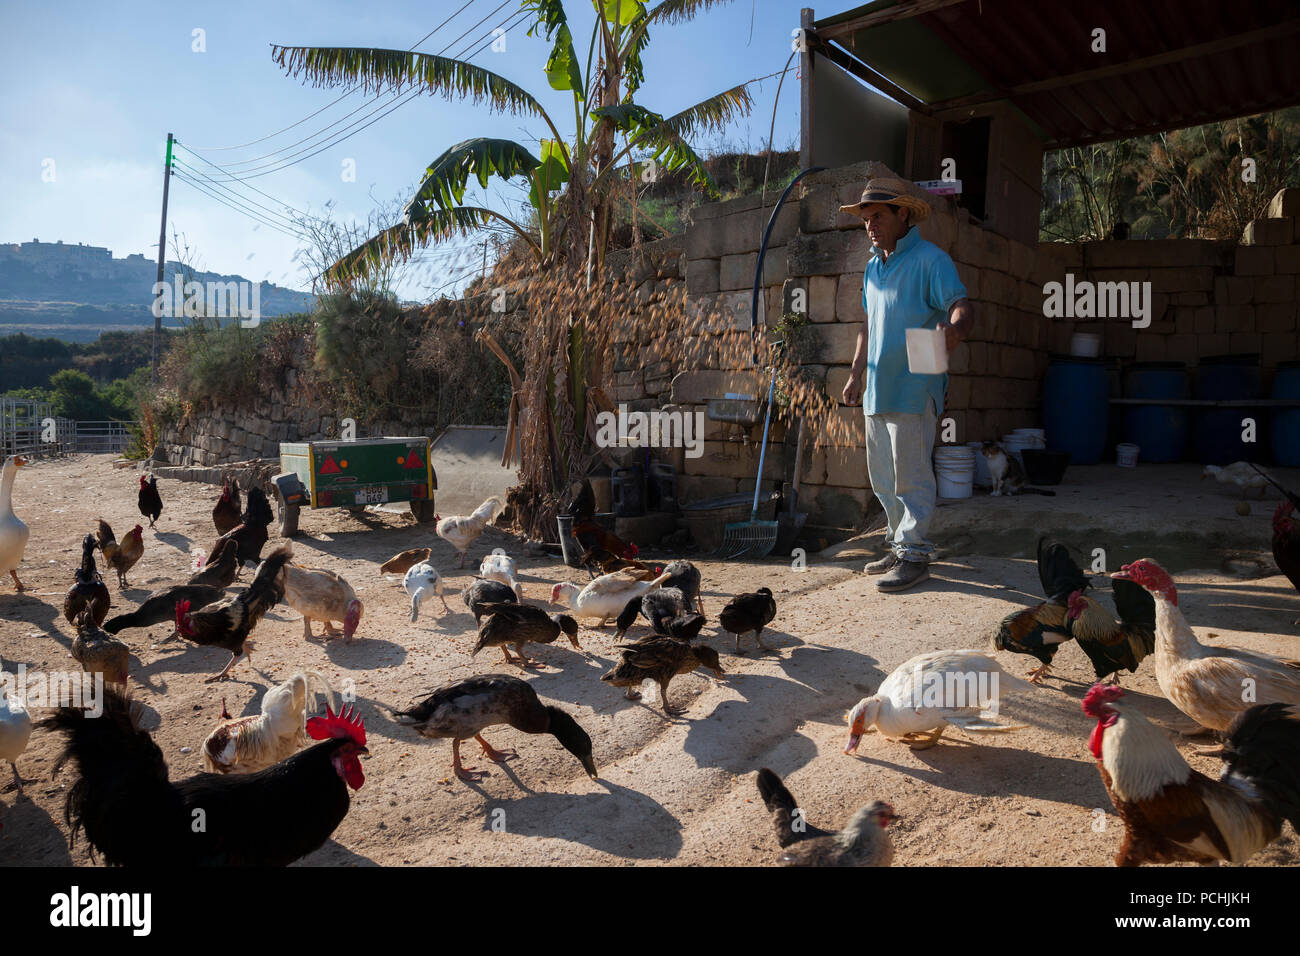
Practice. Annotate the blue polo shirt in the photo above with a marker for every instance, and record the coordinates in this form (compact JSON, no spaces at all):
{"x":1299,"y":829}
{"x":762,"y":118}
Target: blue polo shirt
{"x":913,"y":289}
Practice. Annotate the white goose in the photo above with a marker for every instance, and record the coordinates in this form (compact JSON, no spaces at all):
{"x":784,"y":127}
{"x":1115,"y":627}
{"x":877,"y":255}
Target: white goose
{"x":13,"y":533}
{"x":927,"y":693}
{"x":605,"y":596}
{"x":15,"y":731}
{"x":499,"y":566}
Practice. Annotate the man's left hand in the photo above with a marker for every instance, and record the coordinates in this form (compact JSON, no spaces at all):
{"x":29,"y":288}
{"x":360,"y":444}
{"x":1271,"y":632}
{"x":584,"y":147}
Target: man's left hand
{"x":951,"y":338}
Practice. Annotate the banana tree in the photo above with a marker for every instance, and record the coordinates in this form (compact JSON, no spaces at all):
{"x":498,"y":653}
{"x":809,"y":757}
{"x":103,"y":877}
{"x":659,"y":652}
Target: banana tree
{"x":573,"y":184}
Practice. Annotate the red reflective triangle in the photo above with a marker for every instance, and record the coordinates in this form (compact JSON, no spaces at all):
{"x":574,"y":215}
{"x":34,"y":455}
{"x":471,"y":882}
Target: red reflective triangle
{"x":328,"y":466}
{"x":413,"y":460}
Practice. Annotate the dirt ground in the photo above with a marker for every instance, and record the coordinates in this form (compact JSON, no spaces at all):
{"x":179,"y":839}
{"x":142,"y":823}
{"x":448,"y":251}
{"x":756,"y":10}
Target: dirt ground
{"x":677,"y":791}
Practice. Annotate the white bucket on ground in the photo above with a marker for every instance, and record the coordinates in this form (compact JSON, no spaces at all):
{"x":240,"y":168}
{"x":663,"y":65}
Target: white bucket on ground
{"x":954,"y":470}
{"x":1126,"y":455}
{"x":1013,"y":445}
{"x":927,"y":352}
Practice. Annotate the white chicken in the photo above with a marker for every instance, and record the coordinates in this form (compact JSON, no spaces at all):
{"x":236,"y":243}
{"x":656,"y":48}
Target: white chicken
{"x":250,"y":744}
{"x":499,"y":566}
{"x":15,"y":732}
{"x":605,"y":597}
{"x":1211,"y":685}
{"x":918,"y":701}
{"x":421,"y":580}
{"x":1239,"y":473}
{"x":13,"y":533}
{"x":460,"y":531}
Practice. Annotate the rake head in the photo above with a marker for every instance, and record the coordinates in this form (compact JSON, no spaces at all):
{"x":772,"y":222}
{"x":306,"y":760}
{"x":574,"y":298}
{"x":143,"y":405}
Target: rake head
{"x":748,"y":539}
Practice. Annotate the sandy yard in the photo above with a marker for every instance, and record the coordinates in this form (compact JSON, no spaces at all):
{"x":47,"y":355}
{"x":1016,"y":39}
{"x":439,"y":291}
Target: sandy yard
{"x":670,"y":790}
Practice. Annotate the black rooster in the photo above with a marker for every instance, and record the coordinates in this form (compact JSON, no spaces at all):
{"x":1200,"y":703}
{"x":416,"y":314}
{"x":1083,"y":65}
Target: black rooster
{"x":1040,"y":630}
{"x":149,"y":500}
{"x":134,"y":816}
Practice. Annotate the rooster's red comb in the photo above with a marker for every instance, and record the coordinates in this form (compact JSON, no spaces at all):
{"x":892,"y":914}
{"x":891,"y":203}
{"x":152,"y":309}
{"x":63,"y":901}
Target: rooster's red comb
{"x":346,"y":723}
{"x":1098,"y":695}
{"x":182,"y":608}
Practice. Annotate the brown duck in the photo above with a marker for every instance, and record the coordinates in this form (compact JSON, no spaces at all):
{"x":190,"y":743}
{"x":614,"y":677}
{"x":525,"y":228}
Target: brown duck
{"x":660,"y":659}
{"x":515,"y":625}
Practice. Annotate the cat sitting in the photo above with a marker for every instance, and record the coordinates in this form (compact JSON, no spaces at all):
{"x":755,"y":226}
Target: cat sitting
{"x":1007,"y":473}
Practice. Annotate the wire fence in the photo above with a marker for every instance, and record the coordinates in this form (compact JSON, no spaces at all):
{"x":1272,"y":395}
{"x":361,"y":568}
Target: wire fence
{"x":31,"y":429}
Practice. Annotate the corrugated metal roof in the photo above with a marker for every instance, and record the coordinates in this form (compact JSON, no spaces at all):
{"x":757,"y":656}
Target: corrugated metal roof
{"x":1168,"y":63}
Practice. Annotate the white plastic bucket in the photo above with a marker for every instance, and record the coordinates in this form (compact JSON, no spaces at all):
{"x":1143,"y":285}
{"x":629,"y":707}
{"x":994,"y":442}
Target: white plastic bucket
{"x":1126,"y":455}
{"x":954,"y":470}
{"x":927,"y":352}
{"x":1013,"y":445}
{"x":1085,"y":344}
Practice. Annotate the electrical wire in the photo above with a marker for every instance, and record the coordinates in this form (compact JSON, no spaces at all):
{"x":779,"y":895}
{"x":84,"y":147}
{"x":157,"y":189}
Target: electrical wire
{"x":243,"y":211}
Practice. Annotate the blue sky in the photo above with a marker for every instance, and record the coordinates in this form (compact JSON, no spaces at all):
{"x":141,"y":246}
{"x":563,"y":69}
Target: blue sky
{"x":92,"y":89}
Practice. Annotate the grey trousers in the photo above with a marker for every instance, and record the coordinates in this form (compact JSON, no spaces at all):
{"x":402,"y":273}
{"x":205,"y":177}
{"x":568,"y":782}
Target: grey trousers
{"x":899,"y":446}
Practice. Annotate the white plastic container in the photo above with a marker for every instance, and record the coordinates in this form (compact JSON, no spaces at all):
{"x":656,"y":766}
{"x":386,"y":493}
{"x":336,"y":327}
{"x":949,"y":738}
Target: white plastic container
{"x":927,"y":352}
{"x":1013,"y":445}
{"x":1126,"y":455}
{"x":954,"y":470}
{"x":1085,"y":345}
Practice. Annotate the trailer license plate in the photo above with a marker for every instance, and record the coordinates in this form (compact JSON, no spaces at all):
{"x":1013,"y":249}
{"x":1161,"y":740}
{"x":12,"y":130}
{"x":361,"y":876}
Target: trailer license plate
{"x":372,"y":496}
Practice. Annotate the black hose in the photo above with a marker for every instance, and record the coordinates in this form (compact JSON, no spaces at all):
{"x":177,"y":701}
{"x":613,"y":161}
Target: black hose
{"x":762,"y":253}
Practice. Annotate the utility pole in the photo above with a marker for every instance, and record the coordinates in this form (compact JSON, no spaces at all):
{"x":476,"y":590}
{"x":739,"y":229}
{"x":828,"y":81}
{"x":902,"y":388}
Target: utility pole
{"x":162,"y":258}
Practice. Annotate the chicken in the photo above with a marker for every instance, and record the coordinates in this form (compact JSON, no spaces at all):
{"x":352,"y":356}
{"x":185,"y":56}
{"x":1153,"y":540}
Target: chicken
{"x":99,"y":652}
{"x":1286,"y":534}
{"x":749,"y":612}
{"x":918,"y":701}
{"x":15,"y":732}
{"x":120,"y":557}
{"x":1040,"y":630}
{"x":253,"y":743}
{"x":226,"y":512}
{"x":250,"y":535}
{"x":517,"y":624}
{"x":134,"y":816}
{"x":1173,"y":813}
{"x":13,"y":533}
{"x":149,"y":501}
{"x":322,"y":596}
{"x":463,"y":709}
{"x":608,"y":563}
{"x":1240,"y":473}
{"x":221,"y":566}
{"x":401,"y":563}
{"x":593,"y":536}
{"x":421,"y":580}
{"x":685,"y":577}
{"x":660,"y":659}
{"x":88,"y":592}
{"x":863,"y":842}
{"x":460,"y":531}
{"x":1110,"y":644}
{"x":667,"y":611}
{"x":499,"y":566}
{"x":581,"y":501}
{"x":603,"y":597}
{"x":160,"y":606}
{"x":482,"y":593}
{"x":227,"y":623}
{"x":1207,"y":683}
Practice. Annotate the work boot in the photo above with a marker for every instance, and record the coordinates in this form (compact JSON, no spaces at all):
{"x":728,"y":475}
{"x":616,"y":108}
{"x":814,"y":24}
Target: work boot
{"x":905,"y":575}
{"x":881,"y":565}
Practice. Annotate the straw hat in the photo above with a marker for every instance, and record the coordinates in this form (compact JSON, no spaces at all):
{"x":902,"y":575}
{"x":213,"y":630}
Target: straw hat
{"x":892,"y":192}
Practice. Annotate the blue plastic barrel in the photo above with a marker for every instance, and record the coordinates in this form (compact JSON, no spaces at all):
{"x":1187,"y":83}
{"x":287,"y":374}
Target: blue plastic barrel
{"x":1286,"y":421}
{"x":1219,"y":431}
{"x":1075,"y":407}
{"x":1160,"y":431}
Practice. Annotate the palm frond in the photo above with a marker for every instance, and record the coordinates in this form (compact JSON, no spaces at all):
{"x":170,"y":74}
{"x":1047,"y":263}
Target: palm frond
{"x":448,"y":175}
{"x":678,"y":11}
{"x":648,"y":130}
{"x":379,"y":70}
{"x":712,"y":114}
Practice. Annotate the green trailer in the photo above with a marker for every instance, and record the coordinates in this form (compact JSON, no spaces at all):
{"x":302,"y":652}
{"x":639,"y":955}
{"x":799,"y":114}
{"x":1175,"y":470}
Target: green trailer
{"x":353,"y":475}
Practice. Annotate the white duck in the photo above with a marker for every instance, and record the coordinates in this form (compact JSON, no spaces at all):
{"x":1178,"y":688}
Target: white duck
{"x":499,"y":566}
{"x":605,"y":596}
{"x":15,"y":731}
{"x":923,"y":696}
{"x":1239,"y":473}
{"x":422,"y":579}
{"x":13,"y":533}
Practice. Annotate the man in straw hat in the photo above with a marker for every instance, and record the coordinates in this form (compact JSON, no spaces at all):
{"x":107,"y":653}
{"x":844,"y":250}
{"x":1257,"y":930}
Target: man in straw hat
{"x":908,"y":284}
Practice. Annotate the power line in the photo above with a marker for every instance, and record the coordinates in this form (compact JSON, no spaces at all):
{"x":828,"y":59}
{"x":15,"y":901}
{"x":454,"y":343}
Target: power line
{"x":397,"y":99}
{"x":342,"y":96}
{"x":196,"y":175}
{"x":243,"y":211}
